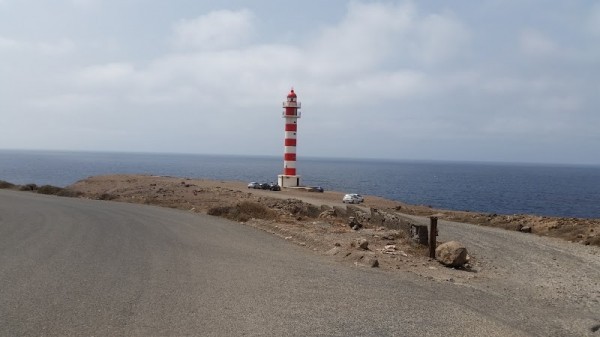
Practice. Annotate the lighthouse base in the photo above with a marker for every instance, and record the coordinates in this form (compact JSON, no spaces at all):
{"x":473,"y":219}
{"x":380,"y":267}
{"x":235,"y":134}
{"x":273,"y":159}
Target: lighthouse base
{"x":288,"y":181}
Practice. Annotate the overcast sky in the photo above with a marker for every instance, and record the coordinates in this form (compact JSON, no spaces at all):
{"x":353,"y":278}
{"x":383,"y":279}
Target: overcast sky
{"x":489,"y":80}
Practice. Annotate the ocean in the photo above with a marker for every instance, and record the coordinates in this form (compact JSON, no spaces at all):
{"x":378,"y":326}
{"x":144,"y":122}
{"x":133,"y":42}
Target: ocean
{"x":550,"y":190}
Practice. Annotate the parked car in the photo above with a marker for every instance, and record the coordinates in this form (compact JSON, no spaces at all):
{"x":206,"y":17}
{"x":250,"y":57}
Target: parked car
{"x":316,"y":189}
{"x":253,"y":184}
{"x":275,"y":187}
{"x":352,"y":198}
{"x":359,"y":197}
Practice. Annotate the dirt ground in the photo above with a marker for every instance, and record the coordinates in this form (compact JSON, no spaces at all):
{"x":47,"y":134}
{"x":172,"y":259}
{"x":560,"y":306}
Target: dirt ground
{"x":320,"y":221}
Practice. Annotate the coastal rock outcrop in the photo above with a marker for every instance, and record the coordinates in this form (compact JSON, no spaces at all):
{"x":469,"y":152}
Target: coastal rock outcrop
{"x":452,"y":254}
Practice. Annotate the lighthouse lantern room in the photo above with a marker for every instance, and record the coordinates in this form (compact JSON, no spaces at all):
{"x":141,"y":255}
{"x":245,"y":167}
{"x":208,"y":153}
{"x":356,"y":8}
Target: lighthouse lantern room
{"x":289,"y":178}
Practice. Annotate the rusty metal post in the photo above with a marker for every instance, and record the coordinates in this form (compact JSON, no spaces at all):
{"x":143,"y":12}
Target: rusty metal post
{"x":432,"y":236}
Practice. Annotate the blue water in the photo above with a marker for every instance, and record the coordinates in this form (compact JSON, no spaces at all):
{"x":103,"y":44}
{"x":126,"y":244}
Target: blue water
{"x":552,"y":190}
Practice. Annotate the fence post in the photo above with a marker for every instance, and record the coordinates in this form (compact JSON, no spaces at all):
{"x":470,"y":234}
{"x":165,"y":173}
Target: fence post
{"x":432,"y":236}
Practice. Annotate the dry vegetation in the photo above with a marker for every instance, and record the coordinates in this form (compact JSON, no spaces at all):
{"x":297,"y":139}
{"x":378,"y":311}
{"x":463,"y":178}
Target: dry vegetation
{"x":244,"y":211}
{"x":45,"y":189}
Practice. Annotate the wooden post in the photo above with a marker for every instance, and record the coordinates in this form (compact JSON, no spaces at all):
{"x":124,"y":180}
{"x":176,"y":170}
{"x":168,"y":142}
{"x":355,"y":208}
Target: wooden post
{"x":432,"y":236}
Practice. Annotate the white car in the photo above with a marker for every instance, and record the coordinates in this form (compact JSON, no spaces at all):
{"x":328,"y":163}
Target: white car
{"x":353,"y":198}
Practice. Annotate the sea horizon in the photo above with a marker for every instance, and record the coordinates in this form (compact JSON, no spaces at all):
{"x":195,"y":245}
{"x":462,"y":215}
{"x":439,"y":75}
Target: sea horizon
{"x":313,"y":157}
{"x":545,"y":189}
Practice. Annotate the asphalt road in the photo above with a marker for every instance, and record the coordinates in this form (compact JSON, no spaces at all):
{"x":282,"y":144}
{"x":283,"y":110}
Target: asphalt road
{"x":71,"y":267}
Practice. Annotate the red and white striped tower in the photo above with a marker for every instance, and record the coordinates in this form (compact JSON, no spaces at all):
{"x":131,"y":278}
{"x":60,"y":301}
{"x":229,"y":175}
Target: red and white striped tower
{"x":291,"y":115}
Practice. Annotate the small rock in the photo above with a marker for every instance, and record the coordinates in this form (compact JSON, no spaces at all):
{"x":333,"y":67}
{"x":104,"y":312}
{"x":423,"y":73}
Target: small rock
{"x":333,"y":251}
{"x":525,"y":229}
{"x":353,"y":223}
{"x":363,"y":244}
{"x":390,"y":237}
{"x":330,"y":213}
{"x":372,"y":262}
{"x":337,"y":244}
{"x":367,"y":261}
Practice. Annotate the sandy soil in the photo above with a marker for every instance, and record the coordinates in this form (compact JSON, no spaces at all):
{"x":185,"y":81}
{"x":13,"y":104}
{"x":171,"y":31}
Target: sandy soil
{"x":319,"y":222}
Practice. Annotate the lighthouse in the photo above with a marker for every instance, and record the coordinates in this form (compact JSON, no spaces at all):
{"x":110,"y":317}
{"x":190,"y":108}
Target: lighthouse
{"x":289,"y":178}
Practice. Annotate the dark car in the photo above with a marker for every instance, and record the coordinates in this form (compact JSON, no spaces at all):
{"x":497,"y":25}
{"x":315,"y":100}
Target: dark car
{"x":265,"y":186}
{"x":275,"y":187}
{"x":316,"y":189}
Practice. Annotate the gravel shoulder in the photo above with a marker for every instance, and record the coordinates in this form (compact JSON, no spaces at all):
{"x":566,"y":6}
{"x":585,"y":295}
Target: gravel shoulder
{"x":530,"y":266}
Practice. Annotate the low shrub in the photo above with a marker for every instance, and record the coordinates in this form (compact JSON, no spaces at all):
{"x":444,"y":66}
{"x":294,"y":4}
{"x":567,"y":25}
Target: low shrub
{"x":6,"y":184}
{"x":107,"y":196}
{"x":255,"y":210}
{"x":65,"y":192}
{"x":28,"y":187}
{"x":58,"y":191}
{"x":49,"y":189}
{"x":243,"y":211}
{"x":296,"y":207}
{"x":219,"y":210}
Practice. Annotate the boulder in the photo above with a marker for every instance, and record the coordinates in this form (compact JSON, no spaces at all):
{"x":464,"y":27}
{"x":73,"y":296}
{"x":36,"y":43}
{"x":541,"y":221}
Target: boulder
{"x":363,"y":244}
{"x":452,"y":254}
